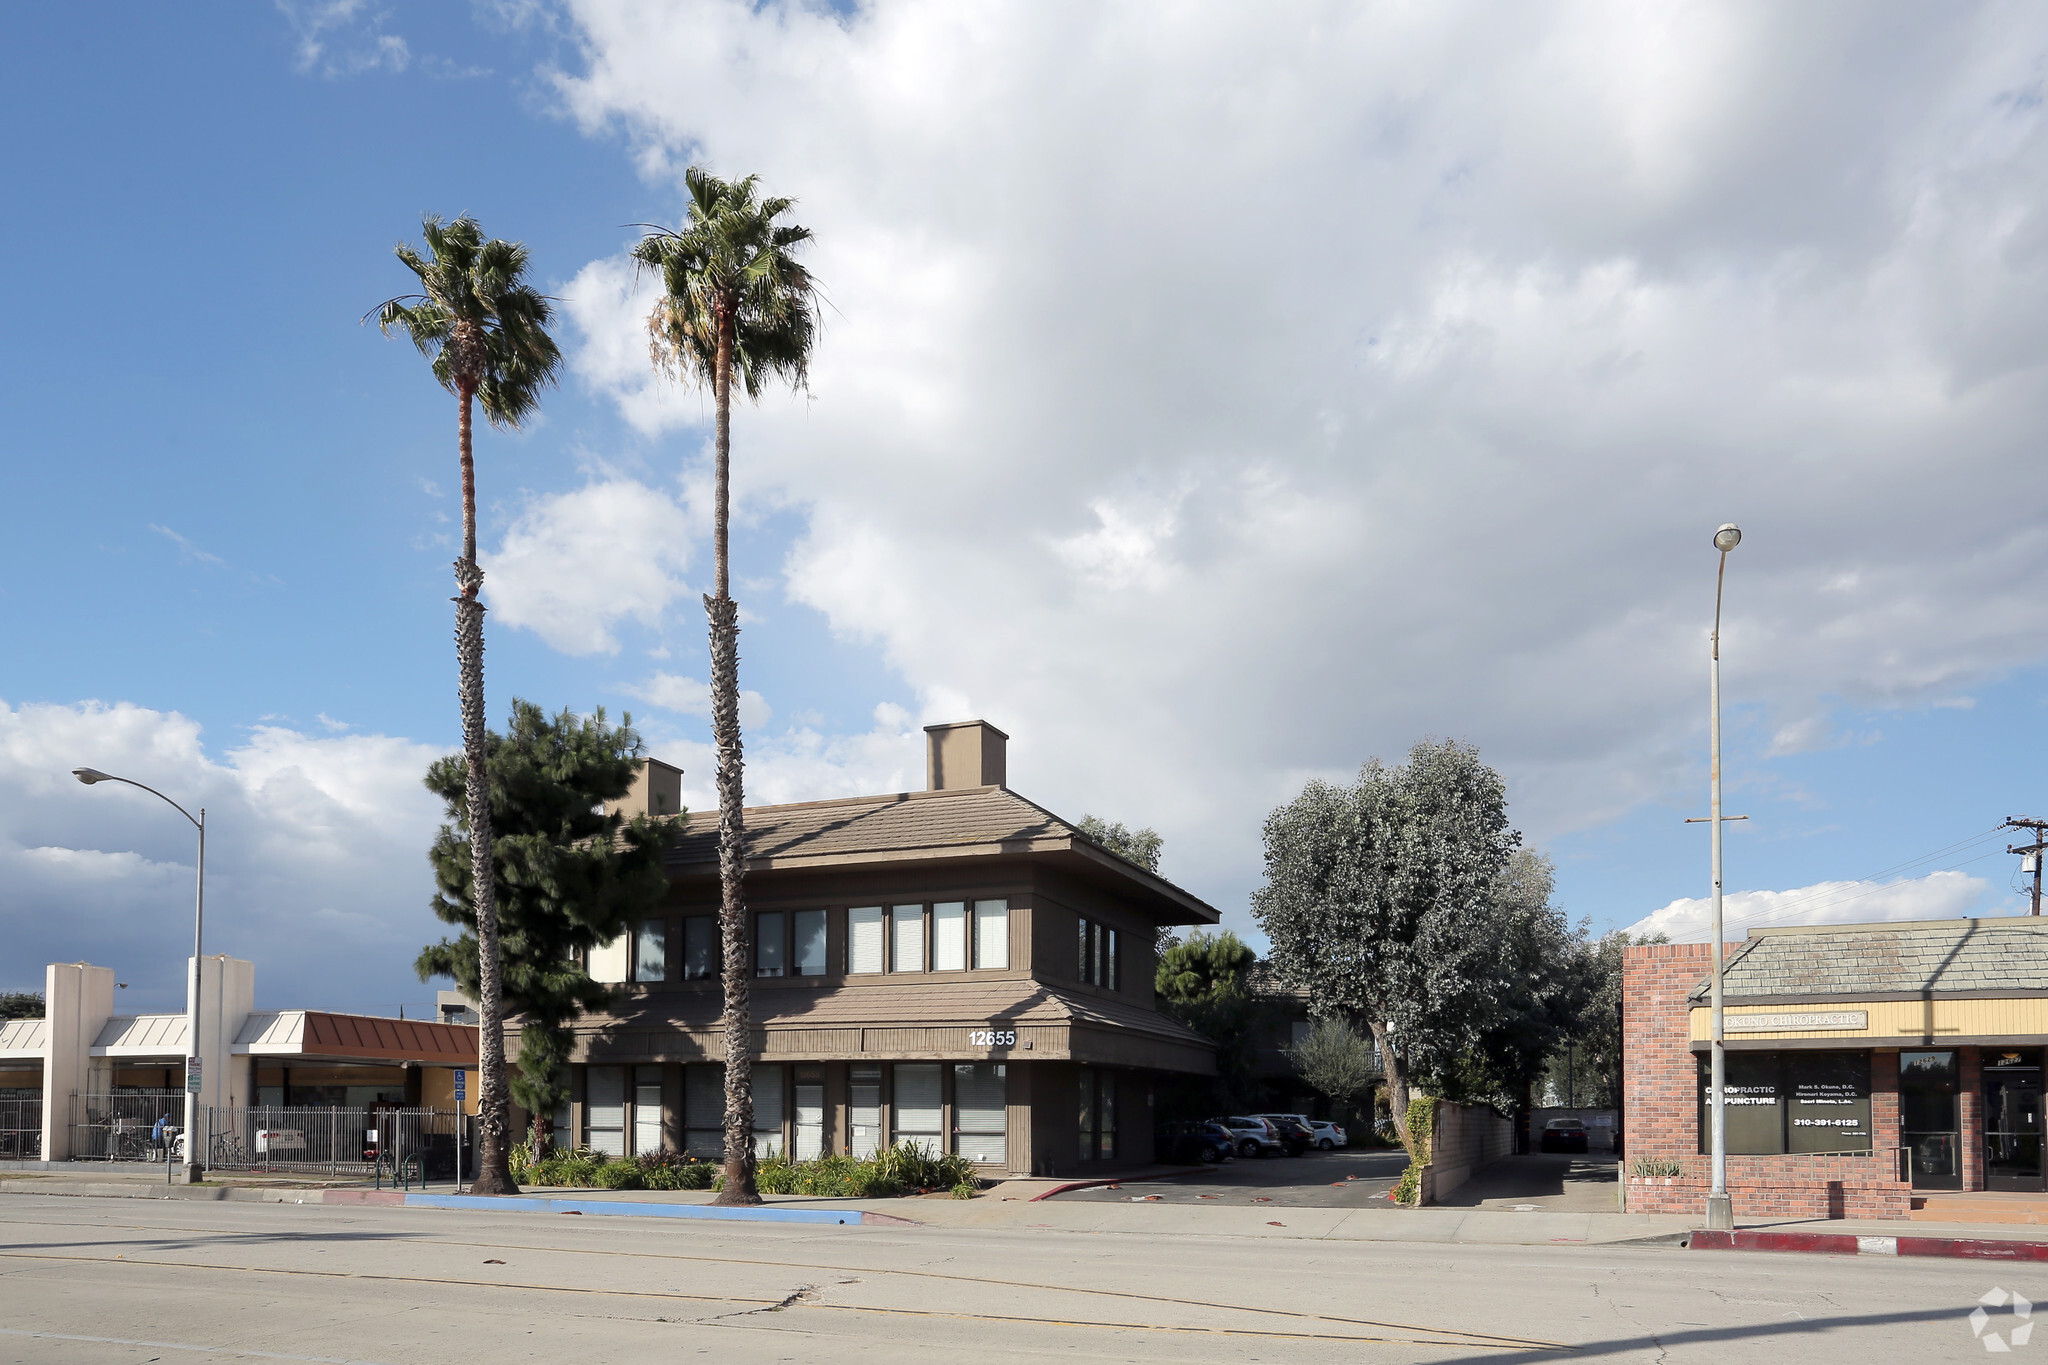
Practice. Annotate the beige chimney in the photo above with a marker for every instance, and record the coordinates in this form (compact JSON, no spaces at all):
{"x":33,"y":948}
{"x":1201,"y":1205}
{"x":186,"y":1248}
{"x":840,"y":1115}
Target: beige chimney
{"x":965,"y":753}
{"x":657,"y":790}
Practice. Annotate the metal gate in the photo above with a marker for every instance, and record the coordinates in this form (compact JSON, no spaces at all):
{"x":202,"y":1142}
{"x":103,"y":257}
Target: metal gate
{"x":21,"y":1125}
{"x":120,"y":1126}
{"x":413,"y":1145}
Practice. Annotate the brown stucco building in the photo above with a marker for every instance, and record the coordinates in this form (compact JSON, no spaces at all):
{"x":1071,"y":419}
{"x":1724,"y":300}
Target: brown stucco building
{"x":956,"y":966}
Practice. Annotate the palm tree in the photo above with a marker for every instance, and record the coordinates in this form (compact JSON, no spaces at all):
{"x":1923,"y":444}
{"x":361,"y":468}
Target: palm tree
{"x":734,"y":302}
{"x":485,"y":330}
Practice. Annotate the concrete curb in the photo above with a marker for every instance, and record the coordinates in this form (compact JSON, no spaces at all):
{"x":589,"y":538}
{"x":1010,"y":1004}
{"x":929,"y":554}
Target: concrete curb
{"x":1101,"y":1184}
{"x":1843,"y":1244}
{"x":622,"y":1209}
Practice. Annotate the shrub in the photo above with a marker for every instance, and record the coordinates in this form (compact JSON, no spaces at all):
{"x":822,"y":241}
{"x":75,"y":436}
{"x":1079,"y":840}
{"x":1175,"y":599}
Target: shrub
{"x":915,"y":1166}
{"x":1421,"y":1129}
{"x":1656,"y":1168}
{"x":963,"y":1190}
{"x":620,"y":1175}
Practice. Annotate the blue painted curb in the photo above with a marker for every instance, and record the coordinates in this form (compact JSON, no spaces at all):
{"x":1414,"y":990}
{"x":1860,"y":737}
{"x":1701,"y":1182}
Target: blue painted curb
{"x":619,"y":1209}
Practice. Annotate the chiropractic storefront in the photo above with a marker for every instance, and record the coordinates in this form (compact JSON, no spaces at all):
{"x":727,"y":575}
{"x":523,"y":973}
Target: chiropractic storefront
{"x":1872,"y":1069}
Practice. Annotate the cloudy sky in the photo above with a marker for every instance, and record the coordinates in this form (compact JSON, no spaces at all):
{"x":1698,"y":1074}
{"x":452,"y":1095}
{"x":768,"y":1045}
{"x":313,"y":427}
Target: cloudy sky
{"x":1211,"y":396}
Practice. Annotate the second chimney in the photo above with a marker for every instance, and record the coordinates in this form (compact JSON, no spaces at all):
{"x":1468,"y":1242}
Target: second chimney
{"x":964,"y":753}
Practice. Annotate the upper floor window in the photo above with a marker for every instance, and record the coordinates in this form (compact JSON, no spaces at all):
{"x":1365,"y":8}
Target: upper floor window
{"x":650,"y":951}
{"x":949,"y":936}
{"x":700,"y":947}
{"x":864,"y":939}
{"x":991,"y":934}
{"x":606,"y":962}
{"x":769,"y":949}
{"x":809,"y":954}
{"x":1098,"y":949}
{"x":906,"y":938}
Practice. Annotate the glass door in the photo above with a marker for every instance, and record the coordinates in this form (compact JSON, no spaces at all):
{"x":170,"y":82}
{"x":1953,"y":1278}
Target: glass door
{"x":2012,"y":1120}
{"x":1927,"y":1119}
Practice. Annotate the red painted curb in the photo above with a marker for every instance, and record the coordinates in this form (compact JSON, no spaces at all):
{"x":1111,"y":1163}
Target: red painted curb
{"x":1846,"y":1244}
{"x":1979,"y":1249}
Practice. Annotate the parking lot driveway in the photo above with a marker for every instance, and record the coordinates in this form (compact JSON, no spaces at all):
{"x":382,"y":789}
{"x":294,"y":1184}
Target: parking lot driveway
{"x":1550,"y":1182}
{"x":1314,"y":1180}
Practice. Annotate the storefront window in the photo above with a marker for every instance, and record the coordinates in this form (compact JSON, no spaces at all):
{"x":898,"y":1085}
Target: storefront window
{"x":1098,"y":1113}
{"x":1927,"y":1119}
{"x":981,"y":1112}
{"x":1778,"y":1102}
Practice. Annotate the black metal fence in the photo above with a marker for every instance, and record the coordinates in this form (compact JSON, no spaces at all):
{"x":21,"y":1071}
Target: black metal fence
{"x":21,"y":1126}
{"x":122,"y":1126}
{"x":411,"y":1146}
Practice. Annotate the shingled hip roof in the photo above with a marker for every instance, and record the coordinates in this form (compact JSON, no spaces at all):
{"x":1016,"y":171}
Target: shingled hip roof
{"x":1968,"y":955}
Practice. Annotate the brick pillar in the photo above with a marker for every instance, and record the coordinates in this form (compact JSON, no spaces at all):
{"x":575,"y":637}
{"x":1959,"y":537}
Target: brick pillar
{"x":1970,"y":1114}
{"x":1884,"y":1115}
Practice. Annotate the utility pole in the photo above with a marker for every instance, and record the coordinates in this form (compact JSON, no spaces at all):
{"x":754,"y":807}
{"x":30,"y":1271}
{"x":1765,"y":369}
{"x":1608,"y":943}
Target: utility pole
{"x":2033,"y":852}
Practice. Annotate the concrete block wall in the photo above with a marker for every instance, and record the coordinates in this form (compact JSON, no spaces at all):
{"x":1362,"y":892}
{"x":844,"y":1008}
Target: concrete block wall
{"x":1467,"y":1138}
{"x":1661,"y":1113}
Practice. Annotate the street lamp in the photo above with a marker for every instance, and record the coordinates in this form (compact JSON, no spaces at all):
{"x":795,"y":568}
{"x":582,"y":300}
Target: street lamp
{"x":89,"y":776}
{"x":1720,"y":1208}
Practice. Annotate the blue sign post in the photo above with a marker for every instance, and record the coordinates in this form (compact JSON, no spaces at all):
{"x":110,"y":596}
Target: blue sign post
{"x":461,"y":1093}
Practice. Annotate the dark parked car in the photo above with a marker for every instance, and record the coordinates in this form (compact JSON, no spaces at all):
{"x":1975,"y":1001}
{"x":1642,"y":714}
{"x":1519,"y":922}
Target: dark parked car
{"x":1564,"y":1135}
{"x":1296,"y":1137}
{"x":1191,"y":1142}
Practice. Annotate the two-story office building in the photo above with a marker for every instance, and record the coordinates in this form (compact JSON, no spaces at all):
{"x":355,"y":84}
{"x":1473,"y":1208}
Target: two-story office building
{"x":955,"y":966}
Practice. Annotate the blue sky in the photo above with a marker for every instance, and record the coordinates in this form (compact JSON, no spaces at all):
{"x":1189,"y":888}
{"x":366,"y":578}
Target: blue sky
{"x":1089,"y":451}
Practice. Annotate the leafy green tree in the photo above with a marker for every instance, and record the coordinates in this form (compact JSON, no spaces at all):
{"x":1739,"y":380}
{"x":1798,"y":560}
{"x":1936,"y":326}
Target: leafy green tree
{"x":485,"y":331}
{"x":1380,"y":900}
{"x":1537,"y":995}
{"x":734,"y":303}
{"x":21,"y":1004}
{"x":1203,"y":981}
{"x":1141,"y":846}
{"x":1336,"y":1061}
{"x":1587,"y":1058}
{"x":567,"y":876}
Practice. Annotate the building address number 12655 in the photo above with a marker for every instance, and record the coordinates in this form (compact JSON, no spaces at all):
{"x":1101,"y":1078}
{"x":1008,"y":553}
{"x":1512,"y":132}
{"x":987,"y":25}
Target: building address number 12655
{"x":992,"y":1037}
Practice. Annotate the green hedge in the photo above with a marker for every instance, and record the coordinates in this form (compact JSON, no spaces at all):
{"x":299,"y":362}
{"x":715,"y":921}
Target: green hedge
{"x":1421,"y":1133}
{"x":911,"y":1168}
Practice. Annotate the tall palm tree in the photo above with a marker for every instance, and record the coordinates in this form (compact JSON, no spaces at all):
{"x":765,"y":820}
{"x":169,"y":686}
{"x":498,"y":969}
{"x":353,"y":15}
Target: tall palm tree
{"x":485,"y":330}
{"x":734,"y":302}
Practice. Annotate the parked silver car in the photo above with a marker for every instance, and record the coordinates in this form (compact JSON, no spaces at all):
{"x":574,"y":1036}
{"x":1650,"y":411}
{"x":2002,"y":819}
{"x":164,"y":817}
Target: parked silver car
{"x":1255,"y":1136}
{"x":1327,"y":1135}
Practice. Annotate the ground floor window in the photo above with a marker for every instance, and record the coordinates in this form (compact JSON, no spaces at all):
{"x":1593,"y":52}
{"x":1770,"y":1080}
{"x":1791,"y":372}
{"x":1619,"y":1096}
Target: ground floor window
{"x":981,"y":1115}
{"x":808,"y":1131}
{"x":864,"y":1106}
{"x":768,"y":1101}
{"x":1928,"y":1113}
{"x":1779,"y":1102}
{"x":917,"y":1106}
{"x":604,"y":1109}
{"x":646,"y":1109}
{"x":1098,"y":1113}
{"x":704,"y":1112}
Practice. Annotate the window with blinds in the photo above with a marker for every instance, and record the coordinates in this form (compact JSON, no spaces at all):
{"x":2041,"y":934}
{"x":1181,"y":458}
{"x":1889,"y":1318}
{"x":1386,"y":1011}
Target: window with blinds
{"x":607,"y":961}
{"x":864,"y":939}
{"x":864,"y":1106}
{"x":646,"y":1110}
{"x":949,"y":936}
{"x":768,"y":1099}
{"x":704,"y":1112}
{"x":981,"y":1112}
{"x":991,"y":934}
{"x":604,"y":1109}
{"x":906,"y":938}
{"x":808,"y":1131}
{"x":916,"y":1104}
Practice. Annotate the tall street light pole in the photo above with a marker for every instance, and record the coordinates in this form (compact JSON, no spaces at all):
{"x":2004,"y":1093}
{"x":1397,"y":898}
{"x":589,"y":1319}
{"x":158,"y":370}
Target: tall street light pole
{"x":90,"y":776}
{"x":1720,"y":1208}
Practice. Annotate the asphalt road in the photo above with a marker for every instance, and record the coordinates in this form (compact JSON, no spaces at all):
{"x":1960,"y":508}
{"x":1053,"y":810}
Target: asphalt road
{"x":128,"y":1280}
{"x":1314,"y":1180}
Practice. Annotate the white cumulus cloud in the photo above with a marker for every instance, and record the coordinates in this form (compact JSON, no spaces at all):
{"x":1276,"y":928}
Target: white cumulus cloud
{"x":1938,"y":895}
{"x":573,"y":565}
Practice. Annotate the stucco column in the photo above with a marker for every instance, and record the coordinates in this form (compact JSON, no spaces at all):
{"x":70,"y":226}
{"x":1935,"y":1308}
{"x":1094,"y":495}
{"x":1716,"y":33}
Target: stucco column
{"x":78,"y":999}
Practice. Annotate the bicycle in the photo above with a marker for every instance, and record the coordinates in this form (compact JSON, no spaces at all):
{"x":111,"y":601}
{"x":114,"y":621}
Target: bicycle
{"x":128,"y":1144}
{"x":228,"y":1151}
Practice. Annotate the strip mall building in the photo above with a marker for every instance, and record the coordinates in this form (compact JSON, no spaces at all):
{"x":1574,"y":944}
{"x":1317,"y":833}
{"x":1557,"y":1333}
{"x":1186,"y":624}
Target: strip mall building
{"x":1874,"y":1071}
{"x":957,"y":966}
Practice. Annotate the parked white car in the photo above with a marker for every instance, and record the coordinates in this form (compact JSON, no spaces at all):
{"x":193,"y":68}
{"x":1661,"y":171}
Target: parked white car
{"x":1327,"y":1135}
{"x":1255,"y":1136}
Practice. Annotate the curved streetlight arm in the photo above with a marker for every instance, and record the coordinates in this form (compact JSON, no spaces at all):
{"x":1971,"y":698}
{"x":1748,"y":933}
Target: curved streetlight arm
{"x":196,"y":823}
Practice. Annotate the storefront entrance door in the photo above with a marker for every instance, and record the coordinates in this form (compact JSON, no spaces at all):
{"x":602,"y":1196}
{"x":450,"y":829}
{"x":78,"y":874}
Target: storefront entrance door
{"x":1927,"y":1119}
{"x":2012,"y":1120}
